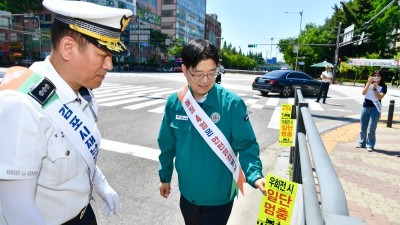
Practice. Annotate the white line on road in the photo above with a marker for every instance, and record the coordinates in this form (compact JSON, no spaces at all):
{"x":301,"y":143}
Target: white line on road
{"x":144,"y":104}
{"x":135,"y":150}
{"x":272,"y":102}
{"x":275,"y":118}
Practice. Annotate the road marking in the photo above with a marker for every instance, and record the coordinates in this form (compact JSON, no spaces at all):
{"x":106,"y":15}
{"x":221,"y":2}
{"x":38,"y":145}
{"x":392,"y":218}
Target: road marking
{"x":314,"y":105}
{"x":121,"y":102}
{"x":135,"y":150}
{"x":144,"y":104}
{"x":341,"y":110}
{"x":272,"y":102}
{"x":121,"y":96}
{"x":251,"y":101}
{"x":275,"y":118}
{"x":158,"y":109}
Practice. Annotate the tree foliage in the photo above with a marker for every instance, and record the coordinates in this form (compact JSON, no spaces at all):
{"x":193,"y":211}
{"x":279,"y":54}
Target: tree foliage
{"x":233,"y":59}
{"x":20,"y":6}
{"x":382,"y":31}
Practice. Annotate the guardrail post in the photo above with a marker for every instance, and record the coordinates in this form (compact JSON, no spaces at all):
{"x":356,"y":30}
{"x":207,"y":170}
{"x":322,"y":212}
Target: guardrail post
{"x":390,"y":114}
{"x":299,"y":102}
{"x":294,"y":116}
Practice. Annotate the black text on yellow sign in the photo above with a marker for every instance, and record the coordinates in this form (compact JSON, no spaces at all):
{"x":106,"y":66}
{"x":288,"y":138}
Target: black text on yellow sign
{"x":287,"y":124}
{"x":283,"y":203}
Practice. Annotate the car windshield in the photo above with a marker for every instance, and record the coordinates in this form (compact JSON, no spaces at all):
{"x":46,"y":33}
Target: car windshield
{"x":276,"y":74}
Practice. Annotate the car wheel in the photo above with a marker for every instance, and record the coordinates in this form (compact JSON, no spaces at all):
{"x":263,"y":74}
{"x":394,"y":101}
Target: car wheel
{"x":286,"y":91}
{"x":264,"y":93}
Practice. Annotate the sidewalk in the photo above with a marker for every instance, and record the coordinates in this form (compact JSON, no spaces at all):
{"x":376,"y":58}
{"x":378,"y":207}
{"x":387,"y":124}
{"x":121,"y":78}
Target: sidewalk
{"x":371,"y":180}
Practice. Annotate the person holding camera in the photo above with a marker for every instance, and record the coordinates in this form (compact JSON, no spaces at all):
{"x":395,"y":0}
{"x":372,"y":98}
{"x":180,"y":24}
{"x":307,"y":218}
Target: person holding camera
{"x":374,"y":91}
{"x":326,"y":78}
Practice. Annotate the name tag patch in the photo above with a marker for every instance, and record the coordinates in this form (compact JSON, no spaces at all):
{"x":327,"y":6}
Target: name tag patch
{"x":180,"y":117}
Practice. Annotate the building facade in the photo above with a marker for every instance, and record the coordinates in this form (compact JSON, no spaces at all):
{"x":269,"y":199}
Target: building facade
{"x":183,"y":19}
{"x":213,"y":30}
{"x":27,"y":36}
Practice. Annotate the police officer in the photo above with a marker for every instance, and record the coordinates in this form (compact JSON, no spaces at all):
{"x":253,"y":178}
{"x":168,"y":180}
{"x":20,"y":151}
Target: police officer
{"x":49,"y":138}
{"x":204,"y":127}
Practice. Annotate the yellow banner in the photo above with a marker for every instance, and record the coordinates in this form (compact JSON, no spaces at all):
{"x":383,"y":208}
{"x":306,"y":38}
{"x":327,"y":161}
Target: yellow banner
{"x":287,"y":125}
{"x":283,"y":204}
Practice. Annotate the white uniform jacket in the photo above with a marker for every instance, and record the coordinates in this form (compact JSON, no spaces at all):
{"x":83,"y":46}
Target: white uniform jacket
{"x":33,"y":147}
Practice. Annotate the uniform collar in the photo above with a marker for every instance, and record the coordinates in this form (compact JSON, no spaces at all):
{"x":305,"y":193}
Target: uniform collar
{"x":211,"y":96}
{"x":64,"y":91}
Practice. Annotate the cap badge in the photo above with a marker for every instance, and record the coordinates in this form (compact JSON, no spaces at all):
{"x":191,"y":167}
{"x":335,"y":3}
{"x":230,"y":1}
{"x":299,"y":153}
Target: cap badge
{"x":124,"y":22}
{"x":118,"y":47}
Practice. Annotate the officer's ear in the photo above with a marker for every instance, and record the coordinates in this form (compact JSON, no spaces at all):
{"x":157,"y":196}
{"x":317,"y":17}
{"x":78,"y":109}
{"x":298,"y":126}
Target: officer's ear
{"x":67,"y":47}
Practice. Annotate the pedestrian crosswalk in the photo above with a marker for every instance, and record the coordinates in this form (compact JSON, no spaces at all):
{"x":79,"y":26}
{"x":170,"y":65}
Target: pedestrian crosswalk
{"x":152,"y":99}
{"x":133,"y":97}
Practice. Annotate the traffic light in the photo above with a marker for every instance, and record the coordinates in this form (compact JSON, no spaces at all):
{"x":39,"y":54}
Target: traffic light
{"x":252,"y":46}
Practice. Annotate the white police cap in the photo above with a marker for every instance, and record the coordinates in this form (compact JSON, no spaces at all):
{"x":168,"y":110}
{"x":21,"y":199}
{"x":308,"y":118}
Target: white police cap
{"x":99,"y":24}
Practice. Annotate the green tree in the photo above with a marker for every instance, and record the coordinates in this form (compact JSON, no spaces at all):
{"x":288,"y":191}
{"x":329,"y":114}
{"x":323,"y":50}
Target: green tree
{"x":176,"y":49}
{"x":157,"y":40}
{"x":21,"y":6}
{"x":381,"y":30}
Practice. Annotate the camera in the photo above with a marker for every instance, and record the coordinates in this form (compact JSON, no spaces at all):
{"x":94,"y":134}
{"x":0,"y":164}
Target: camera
{"x":375,"y":79}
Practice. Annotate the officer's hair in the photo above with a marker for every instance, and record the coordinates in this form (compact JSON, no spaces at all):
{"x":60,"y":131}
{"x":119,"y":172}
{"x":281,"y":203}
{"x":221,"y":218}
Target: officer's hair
{"x":197,"y":50}
{"x":59,"y":30}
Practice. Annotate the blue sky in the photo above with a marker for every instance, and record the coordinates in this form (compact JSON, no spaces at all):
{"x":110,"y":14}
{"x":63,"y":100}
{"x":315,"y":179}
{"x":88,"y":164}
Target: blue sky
{"x":257,"y":21}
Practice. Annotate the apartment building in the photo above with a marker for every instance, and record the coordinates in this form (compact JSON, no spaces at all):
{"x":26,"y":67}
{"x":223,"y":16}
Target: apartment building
{"x":26,"y":36}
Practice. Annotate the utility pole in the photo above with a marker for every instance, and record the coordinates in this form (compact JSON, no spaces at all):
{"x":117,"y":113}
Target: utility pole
{"x":336,"y":52}
{"x":270,"y":54}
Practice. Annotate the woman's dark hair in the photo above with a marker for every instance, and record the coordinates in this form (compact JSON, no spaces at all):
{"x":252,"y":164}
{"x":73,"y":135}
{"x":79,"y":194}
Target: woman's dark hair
{"x":382,"y":81}
{"x":197,"y":50}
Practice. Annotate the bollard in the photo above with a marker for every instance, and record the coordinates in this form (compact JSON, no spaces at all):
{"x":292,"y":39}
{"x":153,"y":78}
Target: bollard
{"x":390,"y":114}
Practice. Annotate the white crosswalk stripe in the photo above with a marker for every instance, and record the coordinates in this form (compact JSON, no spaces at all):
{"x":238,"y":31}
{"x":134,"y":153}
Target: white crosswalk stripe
{"x":275,"y":118}
{"x":145,"y":104}
{"x":122,"y":102}
{"x":272,"y":102}
{"x":132,"y":97}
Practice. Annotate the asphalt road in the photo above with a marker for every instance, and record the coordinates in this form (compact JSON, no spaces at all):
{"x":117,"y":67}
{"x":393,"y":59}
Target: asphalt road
{"x":131,"y":124}
{"x":130,"y":112}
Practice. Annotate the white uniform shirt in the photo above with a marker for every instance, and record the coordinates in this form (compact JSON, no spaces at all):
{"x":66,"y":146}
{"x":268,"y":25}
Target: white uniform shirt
{"x":33,"y":147}
{"x":328,"y":76}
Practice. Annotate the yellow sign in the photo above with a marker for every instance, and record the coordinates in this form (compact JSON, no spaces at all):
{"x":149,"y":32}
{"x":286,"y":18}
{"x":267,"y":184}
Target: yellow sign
{"x":287,"y":124}
{"x":286,"y":112}
{"x":283,"y":204}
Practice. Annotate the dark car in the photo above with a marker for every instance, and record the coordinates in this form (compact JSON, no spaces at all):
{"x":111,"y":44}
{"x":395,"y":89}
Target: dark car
{"x":285,"y":81}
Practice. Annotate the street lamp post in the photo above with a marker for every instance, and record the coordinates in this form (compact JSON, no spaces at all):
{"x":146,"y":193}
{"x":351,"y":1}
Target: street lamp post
{"x":219,"y":40}
{"x":298,"y":43}
{"x":240,"y":49}
{"x":270,"y":54}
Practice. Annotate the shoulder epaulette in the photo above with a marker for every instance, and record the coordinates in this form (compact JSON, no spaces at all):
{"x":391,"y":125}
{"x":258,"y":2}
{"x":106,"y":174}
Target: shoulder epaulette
{"x":43,"y":91}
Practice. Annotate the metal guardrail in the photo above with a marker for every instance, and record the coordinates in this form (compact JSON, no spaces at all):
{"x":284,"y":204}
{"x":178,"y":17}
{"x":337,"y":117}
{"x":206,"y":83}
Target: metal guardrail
{"x":308,"y":154}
